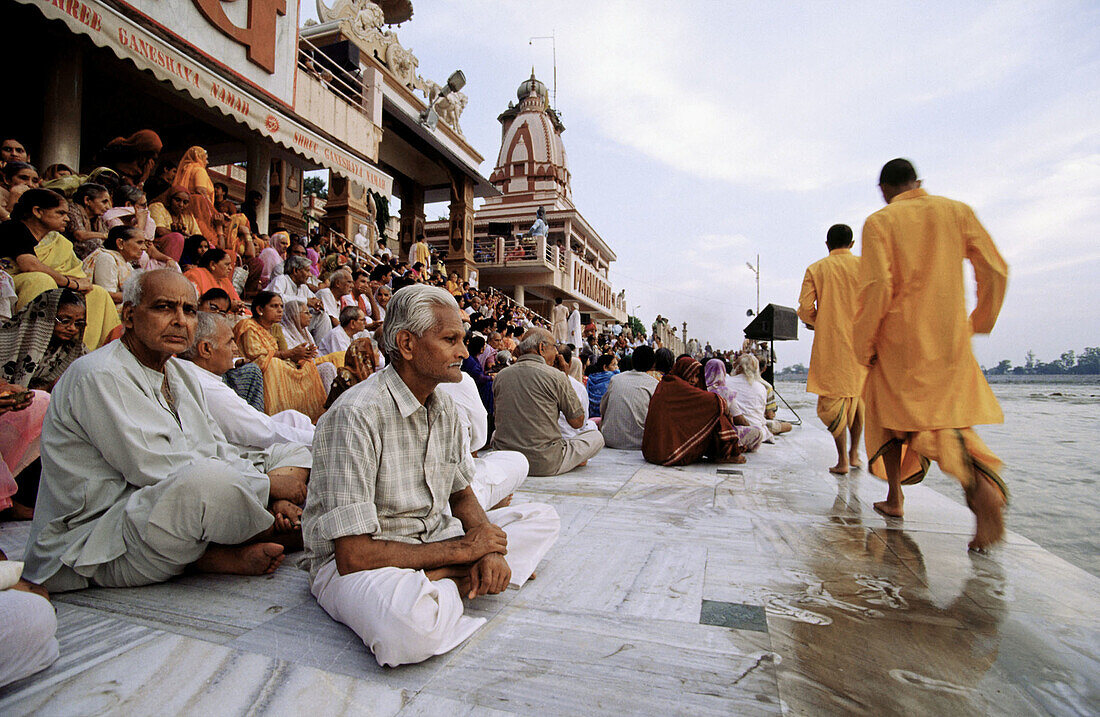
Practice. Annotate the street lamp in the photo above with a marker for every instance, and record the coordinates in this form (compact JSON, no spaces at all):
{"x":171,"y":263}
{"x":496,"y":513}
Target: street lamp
{"x":756,"y":270}
{"x":429,"y":117}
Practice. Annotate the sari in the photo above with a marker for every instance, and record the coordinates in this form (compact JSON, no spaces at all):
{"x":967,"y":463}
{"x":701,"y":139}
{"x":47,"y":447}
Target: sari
{"x":20,"y":434}
{"x":56,"y":252}
{"x":686,"y":422}
{"x":748,"y":437}
{"x":191,"y":175}
{"x":29,"y":354}
{"x":115,"y":265}
{"x":359,"y":363}
{"x":597,"y":387}
{"x":233,"y":235}
{"x":204,"y":281}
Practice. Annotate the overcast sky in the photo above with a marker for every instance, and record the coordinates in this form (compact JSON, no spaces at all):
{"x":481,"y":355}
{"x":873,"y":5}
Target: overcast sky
{"x":703,"y":133}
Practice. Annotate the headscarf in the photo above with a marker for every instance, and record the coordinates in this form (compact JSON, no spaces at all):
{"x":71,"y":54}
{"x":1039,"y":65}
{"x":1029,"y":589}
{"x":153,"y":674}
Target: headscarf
{"x":684,"y":419}
{"x":193,"y":177}
{"x":716,"y":381}
{"x":294,"y":335}
{"x":27,"y":351}
{"x":576,"y":369}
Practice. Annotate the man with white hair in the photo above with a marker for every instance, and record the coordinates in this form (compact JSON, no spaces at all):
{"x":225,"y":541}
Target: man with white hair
{"x":386,"y":557}
{"x":212,"y":354}
{"x":528,"y":396}
{"x":339,"y":286}
{"x":352,"y":322}
{"x":137,"y":482}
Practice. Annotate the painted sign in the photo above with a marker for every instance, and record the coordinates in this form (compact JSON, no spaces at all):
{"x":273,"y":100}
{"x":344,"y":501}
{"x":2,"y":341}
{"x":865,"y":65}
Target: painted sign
{"x":107,"y":28}
{"x":255,"y":41}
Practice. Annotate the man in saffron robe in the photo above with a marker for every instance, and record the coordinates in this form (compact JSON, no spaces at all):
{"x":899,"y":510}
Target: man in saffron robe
{"x":827,"y":305}
{"x":924,"y":387}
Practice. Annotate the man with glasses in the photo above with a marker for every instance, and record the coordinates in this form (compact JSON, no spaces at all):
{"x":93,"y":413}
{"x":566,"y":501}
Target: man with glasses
{"x":527,"y":397}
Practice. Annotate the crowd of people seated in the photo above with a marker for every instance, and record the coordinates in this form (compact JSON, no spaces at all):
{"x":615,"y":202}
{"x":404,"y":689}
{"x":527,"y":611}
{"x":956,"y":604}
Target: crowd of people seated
{"x":179,"y":391}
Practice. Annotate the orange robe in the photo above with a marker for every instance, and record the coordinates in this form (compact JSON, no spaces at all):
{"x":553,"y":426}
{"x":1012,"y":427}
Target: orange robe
{"x":924,"y":386}
{"x":828,"y":302}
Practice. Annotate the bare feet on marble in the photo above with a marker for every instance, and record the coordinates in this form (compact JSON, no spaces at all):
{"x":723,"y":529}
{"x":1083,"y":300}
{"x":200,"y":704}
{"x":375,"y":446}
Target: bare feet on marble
{"x":252,"y":559}
{"x":890,"y":509}
{"x":840,"y":469}
{"x":988,"y":504}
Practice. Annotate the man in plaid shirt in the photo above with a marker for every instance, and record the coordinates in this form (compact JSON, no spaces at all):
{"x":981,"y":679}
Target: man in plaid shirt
{"x":385,"y":556}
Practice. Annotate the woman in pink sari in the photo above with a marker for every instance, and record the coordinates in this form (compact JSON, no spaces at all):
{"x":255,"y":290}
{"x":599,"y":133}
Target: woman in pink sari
{"x":749,"y":437}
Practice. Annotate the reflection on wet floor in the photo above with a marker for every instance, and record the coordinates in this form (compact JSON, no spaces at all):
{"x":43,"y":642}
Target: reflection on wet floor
{"x":671,"y":590}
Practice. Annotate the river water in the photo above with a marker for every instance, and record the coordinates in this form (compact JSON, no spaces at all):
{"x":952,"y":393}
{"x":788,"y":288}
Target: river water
{"x":1048,"y":442}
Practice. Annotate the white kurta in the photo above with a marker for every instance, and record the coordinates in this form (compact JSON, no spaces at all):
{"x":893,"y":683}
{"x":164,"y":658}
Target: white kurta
{"x":112,"y":447}
{"x":568,"y":431}
{"x":575,"y":329}
{"x":242,"y":424}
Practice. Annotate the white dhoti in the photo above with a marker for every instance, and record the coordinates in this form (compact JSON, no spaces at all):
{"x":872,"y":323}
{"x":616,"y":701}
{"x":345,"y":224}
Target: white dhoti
{"x":403,"y":617}
{"x":498,"y":475}
{"x":27,"y":627}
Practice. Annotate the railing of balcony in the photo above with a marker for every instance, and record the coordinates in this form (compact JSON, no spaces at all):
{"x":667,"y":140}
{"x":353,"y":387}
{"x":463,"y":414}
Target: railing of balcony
{"x":516,"y":249}
{"x":343,"y":84}
{"x":485,"y":250}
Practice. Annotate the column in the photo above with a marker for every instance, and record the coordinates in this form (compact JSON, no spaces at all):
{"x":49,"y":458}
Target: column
{"x":259,"y":179}
{"x":412,"y":214}
{"x":460,"y":249}
{"x":63,"y":108}
{"x":519,"y":295}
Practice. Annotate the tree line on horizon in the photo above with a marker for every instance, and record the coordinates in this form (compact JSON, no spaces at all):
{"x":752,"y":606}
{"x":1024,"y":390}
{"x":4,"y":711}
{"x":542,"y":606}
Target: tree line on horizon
{"x":1070,"y":362}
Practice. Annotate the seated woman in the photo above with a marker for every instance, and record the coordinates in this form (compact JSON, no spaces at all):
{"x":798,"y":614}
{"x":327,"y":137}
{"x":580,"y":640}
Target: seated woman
{"x":194,"y":247}
{"x":111,"y":265}
{"x":607,"y":366}
{"x":22,"y":412}
{"x":749,"y":437}
{"x":42,"y":340}
{"x":15,"y":178}
{"x":291,"y":378}
{"x":87,"y":229}
{"x":752,"y":395}
{"x":192,"y":176}
{"x":40,"y":259}
{"x":686,"y":422}
{"x":662,"y":363}
{"x":215,"y":270}
{"x":172,"y":216}
{"x":57,"y":171}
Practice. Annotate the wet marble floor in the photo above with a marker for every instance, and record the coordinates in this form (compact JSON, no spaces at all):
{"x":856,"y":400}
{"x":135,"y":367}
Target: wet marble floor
{"x":771,"y":587}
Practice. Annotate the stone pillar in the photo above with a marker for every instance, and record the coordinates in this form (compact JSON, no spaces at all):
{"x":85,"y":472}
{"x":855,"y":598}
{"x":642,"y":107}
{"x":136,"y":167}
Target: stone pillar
{"x":259,"y":179}
{"x":373,"y":82}
{"x":460,"y":249}
{"x":412,"y":214}
{"x":520,"y":295}
{"x":63,"y":108}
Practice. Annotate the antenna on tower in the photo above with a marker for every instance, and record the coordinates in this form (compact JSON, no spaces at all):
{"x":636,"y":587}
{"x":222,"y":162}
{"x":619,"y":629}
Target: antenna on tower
{"x":554,"y":55}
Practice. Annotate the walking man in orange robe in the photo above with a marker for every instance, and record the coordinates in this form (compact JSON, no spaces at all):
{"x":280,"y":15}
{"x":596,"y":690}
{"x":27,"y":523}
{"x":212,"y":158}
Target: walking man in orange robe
{"x":924,"y":388}
{"x":827,"y":305}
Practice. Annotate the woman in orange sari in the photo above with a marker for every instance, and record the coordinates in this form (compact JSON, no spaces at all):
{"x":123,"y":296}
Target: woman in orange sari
{"x":192,"y":176}
{"x":291,"y":379}
{"x":214,"y":270}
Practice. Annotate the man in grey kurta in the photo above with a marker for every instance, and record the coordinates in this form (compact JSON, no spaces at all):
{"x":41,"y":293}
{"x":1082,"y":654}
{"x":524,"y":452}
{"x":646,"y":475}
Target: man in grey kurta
{"x":137,"y":481}
{"x":528,"y":396}
{"x":626,"y":404}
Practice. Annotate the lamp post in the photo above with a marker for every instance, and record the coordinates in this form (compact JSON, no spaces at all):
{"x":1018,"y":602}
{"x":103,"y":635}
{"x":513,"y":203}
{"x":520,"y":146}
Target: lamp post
{"x":756,"y":270}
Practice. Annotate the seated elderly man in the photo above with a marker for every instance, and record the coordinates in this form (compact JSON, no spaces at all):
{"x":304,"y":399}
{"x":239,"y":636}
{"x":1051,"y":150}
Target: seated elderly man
{"x":138,"y":484}
{"x":626,"y":403}
{"x":339,"y":286}
{"x":352,"y":321}
{"x":528,"y":396}
{"x":212,"y":355}
{"x":386,"y":557}
{"x":292,"y":285}
{"x":497,"y":474}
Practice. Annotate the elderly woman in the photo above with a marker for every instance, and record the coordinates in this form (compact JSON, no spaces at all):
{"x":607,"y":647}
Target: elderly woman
{"x":215,"y":270}
{"x":752,"y":396}
{"x":42,"y":340}
{"x":174,"y":220}
{"x":686,"y":422}
{"x":111,"y":265}
{"x":291,"y":378}
{"x":749,"y":437}
{"x":39,"y":259}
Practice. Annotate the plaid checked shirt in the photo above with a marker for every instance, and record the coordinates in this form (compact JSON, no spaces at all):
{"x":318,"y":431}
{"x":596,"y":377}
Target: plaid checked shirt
{"x":384,"y":466}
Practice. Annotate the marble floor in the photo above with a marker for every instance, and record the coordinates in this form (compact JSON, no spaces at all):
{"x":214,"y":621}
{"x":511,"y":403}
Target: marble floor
{"x":765,"y":588}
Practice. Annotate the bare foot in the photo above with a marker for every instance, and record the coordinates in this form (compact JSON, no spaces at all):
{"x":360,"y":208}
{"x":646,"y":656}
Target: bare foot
{"x":17,"y":511}
{"x":582,"y":464}
{"x":289,"y":484}
{"x":840,"y":469}
{"x":854,"y":460}
{"x":988,"y":505}
{"x":889,"y":509}
{"x":253,"y":559}
{"x":506,"y":501}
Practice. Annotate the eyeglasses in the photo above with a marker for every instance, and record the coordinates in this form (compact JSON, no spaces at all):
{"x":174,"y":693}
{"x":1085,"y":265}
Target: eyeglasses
{"x":65,"y":321}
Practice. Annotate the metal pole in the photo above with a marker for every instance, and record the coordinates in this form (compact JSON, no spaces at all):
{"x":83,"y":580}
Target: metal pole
{"x":757,"y":284}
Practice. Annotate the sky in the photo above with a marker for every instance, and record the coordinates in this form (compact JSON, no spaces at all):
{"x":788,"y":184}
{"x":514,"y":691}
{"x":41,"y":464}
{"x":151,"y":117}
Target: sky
{"x":703,"y":133}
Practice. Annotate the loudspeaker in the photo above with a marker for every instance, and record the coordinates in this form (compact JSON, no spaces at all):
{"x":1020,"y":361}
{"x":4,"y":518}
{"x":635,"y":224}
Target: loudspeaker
{"x":500,"y":229}
{"x":774,"y":323}
{"x":344,"y":54}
